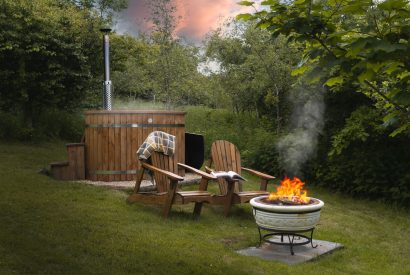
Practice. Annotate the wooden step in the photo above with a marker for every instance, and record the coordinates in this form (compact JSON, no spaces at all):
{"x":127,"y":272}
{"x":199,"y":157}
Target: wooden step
{"x":60,"y":170}
{"x":74,"y":168}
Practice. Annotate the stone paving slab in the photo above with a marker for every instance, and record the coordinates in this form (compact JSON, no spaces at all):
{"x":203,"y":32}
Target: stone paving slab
{"x":281,"y":253}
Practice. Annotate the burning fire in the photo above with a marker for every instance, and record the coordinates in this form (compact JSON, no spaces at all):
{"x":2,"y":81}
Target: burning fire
{"x":290,"y":191}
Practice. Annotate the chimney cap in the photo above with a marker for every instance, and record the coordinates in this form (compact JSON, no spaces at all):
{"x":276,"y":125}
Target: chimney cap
{"x":105,"y":29}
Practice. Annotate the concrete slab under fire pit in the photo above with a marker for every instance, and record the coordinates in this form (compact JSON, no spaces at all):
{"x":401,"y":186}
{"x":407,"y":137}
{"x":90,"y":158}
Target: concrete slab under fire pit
{"x":281,"y":253}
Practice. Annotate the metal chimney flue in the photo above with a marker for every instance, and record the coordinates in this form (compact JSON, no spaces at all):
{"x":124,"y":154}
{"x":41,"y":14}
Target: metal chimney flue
{"x":107,"y":85}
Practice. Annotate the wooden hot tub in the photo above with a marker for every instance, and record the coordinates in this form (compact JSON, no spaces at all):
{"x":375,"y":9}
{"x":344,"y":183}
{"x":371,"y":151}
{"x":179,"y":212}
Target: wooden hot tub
{"x":112,"y":139}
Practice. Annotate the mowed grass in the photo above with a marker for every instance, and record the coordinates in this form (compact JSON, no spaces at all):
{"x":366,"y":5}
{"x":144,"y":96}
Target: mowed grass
{"x":55,"y":227}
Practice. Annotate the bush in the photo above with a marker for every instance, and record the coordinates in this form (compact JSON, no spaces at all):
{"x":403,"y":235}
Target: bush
{"x":261,"y":152}
{"x":60,"y":124}
{"x":51,"y":124}
{"x":252,"y":136}
{"x":11,"y":127}
{"x":364,"y":161}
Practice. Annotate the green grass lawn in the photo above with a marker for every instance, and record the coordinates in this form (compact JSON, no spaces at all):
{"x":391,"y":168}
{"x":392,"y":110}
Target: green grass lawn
{"x":54,"y":227}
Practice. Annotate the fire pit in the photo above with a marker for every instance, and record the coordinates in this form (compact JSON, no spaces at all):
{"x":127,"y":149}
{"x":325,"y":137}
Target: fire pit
{"x":288,"y":212}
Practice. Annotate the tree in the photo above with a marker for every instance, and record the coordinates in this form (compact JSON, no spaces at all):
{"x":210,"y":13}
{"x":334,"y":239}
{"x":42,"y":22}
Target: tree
{"x":361,"y":42}
{"x":47,"y":55}
{"x":105,"y":8}
{"x":164,"y":20}
{"x":255,"y":70}
{"x":130,"y":59}
{"x":173,"y":66}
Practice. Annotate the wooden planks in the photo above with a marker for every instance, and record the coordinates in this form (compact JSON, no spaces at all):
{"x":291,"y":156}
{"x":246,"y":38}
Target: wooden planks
{"x":113,"y":137}
{"x":123,"y":149}
{"x":226,"y":157}
{"x":76,"y":160}
{"x":74,"y":168}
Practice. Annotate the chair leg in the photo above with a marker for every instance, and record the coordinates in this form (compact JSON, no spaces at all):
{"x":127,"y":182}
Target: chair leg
{"x":203,"y":186}
{"x":170,"y":198}
{"x":139,"y":180}
{"x":229,"y":197}
{"x":264,"y":185}
{"x":197,"y":209}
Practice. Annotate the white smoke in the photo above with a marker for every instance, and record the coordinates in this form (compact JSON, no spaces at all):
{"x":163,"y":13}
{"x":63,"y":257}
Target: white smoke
{"x":300,"y":144}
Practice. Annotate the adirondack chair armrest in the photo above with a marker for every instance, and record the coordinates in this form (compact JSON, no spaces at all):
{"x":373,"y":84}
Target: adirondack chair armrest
{"x":258,"y":174}
{"x":208,"y":170}
{"x":198,"y":172}
{"x":170,"y":175}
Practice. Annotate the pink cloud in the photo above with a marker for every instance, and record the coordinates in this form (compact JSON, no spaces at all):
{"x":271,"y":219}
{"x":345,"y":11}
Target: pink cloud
{"x":198,"y":16}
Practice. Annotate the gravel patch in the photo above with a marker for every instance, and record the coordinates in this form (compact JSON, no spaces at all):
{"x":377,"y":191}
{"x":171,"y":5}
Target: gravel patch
{"x":146,"y":185}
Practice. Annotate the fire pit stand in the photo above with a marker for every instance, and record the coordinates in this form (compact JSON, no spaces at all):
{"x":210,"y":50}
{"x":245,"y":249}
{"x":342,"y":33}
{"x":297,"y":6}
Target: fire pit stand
{"x":295,"y":222}
{"x":292,"y":237}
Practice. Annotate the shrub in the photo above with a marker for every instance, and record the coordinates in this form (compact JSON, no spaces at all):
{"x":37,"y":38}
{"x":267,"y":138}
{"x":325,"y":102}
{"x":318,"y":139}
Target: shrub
{"x":251,"y":135}
{"x":60,"y":124}
{"x":11,"y":127}
{"x":364,"y":161}
{"x":51,"y":124}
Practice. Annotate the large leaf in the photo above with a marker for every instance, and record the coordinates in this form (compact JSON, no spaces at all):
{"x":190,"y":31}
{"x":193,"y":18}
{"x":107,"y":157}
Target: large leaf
{"x":389,"y":5}
{"x":386,"y":46}
{"x":300,"y":70}
{"x":244,"y":16}
{"x":357,"y":47}
{"x":402,"y":97}
{"x":334,"y":80}
{"x":402,"y":129}
{"x":269,"y":2}
{"x":245,"y":3}
{"x":367,"y":75}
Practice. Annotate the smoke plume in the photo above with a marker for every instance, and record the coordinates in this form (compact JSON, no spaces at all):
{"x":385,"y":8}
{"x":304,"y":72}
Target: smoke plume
{"x":300,"y":144}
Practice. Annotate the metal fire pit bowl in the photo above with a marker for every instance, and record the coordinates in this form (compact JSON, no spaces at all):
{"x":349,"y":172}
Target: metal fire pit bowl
{"x":293,"y":221}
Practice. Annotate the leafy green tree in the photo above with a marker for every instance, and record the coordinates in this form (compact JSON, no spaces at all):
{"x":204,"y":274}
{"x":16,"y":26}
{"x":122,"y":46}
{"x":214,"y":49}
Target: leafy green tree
{"x":130,"y":59}
{"x":364,"y":42}
{"x":255,"y":70}
{"x":105,"y":8}
{"x":164,"y":21}
{"x":47,"y":56}
{"x":173,"y":65}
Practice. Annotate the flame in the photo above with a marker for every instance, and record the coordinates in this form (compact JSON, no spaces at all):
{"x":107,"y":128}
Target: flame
{"x":290,"y":190}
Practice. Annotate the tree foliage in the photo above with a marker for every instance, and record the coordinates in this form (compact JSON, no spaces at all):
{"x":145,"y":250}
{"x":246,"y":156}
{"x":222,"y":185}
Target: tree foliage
{"x":105,"y":8}
{"x":47,"y":56}
{"x":171,"y":73}
{"x":130,"y":58}
{"x":348,"y":41}
{"x":255,"y":70}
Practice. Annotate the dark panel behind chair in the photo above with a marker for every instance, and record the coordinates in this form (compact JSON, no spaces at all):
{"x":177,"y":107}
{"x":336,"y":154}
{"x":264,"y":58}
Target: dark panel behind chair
{"x":194,"y":150}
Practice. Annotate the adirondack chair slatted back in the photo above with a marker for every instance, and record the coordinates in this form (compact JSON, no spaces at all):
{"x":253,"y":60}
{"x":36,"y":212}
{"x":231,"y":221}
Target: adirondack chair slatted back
{"x":226,"y":157}
{"x":167,"y":163}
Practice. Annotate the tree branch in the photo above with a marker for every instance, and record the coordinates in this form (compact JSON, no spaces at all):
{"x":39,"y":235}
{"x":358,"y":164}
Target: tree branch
{"x":324,"y":45}
{"x":374,"y":88}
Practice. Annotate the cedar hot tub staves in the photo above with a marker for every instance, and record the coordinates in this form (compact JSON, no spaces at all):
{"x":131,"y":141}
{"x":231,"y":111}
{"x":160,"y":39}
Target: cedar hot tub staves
{"x":112,"y":139}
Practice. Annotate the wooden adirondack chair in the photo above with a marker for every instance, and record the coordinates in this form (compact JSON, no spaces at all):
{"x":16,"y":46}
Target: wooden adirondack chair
{"x":165,"y":168}
{"x":226,"y":157}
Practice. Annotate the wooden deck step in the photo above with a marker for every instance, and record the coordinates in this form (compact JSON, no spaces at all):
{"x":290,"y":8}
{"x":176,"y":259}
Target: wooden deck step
{"x":60,"y":170}
{"x":74,"y":168}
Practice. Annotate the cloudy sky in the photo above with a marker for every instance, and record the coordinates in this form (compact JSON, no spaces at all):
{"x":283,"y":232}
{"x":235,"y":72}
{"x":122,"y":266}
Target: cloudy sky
{"x":198,"y":16}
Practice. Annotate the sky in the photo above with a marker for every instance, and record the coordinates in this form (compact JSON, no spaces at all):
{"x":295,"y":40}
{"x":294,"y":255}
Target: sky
{"x":198,"y":17}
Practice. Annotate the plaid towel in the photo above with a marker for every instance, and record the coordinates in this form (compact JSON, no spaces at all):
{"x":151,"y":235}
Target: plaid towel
{"x":157,"y":141}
